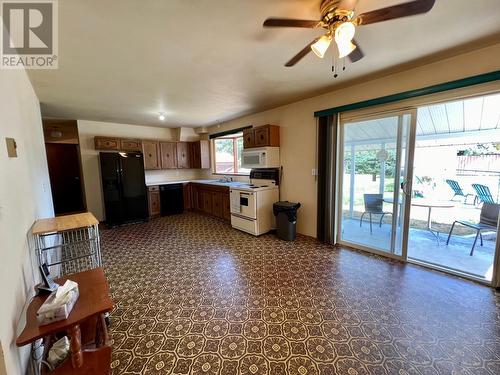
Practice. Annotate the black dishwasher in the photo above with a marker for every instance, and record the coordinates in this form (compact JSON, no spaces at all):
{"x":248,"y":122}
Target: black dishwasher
{"x":172,"y":199}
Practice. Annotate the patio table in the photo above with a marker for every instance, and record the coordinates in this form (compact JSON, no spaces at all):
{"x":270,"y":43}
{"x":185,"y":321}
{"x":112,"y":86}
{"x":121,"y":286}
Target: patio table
{"x":429,"y":204}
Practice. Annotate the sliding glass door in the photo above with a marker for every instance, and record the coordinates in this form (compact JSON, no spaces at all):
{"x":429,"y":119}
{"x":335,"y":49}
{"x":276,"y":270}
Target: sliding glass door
{"x":375,"y":160}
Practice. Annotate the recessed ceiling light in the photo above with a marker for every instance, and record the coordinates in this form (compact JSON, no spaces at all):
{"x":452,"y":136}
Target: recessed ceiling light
{"x":161,"y":117}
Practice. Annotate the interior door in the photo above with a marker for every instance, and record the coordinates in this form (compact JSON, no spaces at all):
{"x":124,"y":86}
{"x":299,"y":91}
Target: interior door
{"x":65,"y":181}
{"x":375,"y":177}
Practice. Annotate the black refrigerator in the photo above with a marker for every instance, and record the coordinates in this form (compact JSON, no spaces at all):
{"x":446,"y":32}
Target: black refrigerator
{"x":124,"y":187}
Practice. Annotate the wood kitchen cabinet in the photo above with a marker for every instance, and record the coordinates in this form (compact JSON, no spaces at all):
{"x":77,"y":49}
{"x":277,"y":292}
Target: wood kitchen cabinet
{"x":168,"y":155}
{"x":226,"y":206}
{"x":212,"y":200}
{"x":195,"y":198}
{"x":154,"y":201}
{"x":161,"y":154}
{"x":117,"y":144}
{"x":130,"y":145}
{"x":248,"y":138}
{"x":186,"y":190}
{"x":217,"y":204}
{"x":206,"y":201}
{"x":107,"y":143}
{"x":262,"y":136}
{"x":199,"y":154}
{"x":183,"y":155}
{"x":151,"y":151}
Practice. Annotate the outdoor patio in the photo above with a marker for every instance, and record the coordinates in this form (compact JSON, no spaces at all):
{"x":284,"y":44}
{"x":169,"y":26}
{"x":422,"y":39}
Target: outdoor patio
{"x":456,"y":168}
{"x":423,"y":246}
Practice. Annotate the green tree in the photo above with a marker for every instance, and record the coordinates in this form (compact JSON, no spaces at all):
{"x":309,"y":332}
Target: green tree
{"x":224,"y":145}
{"x":366,"y":162}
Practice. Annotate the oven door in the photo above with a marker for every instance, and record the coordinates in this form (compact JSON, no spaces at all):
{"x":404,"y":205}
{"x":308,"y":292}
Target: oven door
{"x":243,"y":204}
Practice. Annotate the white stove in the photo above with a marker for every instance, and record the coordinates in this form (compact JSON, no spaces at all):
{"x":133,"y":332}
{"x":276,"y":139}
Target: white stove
{"x":252,"y":204}
{"x":257,"y":186}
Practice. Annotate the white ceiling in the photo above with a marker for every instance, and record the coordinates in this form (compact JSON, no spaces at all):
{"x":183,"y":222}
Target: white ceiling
{"x":206,"y":61}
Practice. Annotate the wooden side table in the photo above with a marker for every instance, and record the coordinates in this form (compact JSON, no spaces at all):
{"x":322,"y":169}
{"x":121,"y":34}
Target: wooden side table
{"x":85,"y":320}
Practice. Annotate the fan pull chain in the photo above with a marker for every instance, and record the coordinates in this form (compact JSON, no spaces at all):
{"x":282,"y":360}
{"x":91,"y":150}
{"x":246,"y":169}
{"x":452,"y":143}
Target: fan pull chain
{"x":334,"y":65}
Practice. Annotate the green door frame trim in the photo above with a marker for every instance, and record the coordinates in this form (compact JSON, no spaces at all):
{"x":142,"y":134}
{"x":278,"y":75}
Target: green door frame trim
{"x":464,"y":82}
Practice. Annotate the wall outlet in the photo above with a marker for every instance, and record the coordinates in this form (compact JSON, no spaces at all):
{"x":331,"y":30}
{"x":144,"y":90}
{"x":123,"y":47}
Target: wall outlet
{"x":314,"y":172}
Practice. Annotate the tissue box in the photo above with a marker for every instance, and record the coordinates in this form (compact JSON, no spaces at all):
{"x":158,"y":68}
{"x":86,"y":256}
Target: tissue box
{"x":57,"y":308}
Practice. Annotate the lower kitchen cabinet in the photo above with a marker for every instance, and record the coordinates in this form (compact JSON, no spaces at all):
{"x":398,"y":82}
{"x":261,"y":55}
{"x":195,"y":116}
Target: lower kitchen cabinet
{"x":226,"y":207}
{"x":154,"y":201}
{"x":211,"y":199}
{"x":217,"y":204}
{"x":206,"y":199}
{"x":187,"y":196}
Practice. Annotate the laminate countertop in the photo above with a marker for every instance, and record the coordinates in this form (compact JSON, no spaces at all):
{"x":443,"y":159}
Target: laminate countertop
{"x":208,"y":182}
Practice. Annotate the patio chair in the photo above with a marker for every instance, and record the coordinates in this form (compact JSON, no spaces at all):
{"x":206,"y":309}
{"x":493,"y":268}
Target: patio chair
{"x":488,"y":220}
{"x":483,"y":194}
{"x":374,"y":204}
{"x":457,"y":190}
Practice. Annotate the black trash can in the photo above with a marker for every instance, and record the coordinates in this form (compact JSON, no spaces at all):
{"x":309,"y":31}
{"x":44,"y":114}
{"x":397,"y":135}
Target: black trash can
{"x":286,"y":219}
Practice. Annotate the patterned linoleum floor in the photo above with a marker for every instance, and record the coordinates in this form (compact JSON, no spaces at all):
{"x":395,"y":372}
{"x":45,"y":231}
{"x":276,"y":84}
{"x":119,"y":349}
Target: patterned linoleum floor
{"x":194,"y":296}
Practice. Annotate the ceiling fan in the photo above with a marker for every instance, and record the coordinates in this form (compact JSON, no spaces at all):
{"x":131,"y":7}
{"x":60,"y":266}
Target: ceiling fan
{"x":340,"y":21}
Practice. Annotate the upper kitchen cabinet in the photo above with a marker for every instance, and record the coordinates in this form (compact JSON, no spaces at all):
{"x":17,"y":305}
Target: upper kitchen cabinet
{"x":183,"y":155}
{"x":161,"y":154}
{"x":127,"y":144}
{"x":200,"y":154}
{"x":151,"y":151}
{"x":107,"y":143}
{"x":248,"y":138}
{"x":168,"y":154}
{"x":117,"y":144}
{"x":262,"y":136}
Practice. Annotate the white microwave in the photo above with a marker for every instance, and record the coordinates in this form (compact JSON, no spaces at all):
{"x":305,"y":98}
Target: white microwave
{"x":263,"y":157}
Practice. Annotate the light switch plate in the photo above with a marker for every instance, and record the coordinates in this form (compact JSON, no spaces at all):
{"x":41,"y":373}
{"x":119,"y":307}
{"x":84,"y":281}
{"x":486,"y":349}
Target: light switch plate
{"x":11,"y":147}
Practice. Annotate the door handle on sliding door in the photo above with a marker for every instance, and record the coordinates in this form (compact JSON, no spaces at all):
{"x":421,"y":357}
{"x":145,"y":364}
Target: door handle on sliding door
{"x":404,"y":187}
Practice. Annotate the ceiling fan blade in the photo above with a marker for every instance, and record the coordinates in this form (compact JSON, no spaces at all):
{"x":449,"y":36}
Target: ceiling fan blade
{"x":347,"y":4}
{"x":357,"y":54}
{"x":396,"y":11}
{"x":286,"y":22}
{"x":299,"y":56}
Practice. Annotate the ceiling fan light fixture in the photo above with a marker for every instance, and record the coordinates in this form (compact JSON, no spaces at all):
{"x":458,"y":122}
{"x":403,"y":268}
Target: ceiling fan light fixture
{"x":344,"y":33}
{"x":320,"y":47}
{"x":345,"y":49}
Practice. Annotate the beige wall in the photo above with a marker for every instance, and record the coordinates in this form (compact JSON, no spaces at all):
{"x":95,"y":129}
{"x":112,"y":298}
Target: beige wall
{"x":24,"y":197}
{"x":90,"y":157}
{"x":298,"y":125}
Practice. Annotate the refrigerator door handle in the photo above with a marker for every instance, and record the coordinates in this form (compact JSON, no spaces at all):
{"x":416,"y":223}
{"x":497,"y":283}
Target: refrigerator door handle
{"x":119,"y":174}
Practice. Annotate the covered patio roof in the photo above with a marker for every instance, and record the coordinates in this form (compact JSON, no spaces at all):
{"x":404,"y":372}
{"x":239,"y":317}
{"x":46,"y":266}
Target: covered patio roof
{"x":477,"y":119}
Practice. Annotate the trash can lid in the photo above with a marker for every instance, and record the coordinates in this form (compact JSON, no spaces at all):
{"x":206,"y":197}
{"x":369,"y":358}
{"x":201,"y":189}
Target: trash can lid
{"x":286,"y":206}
